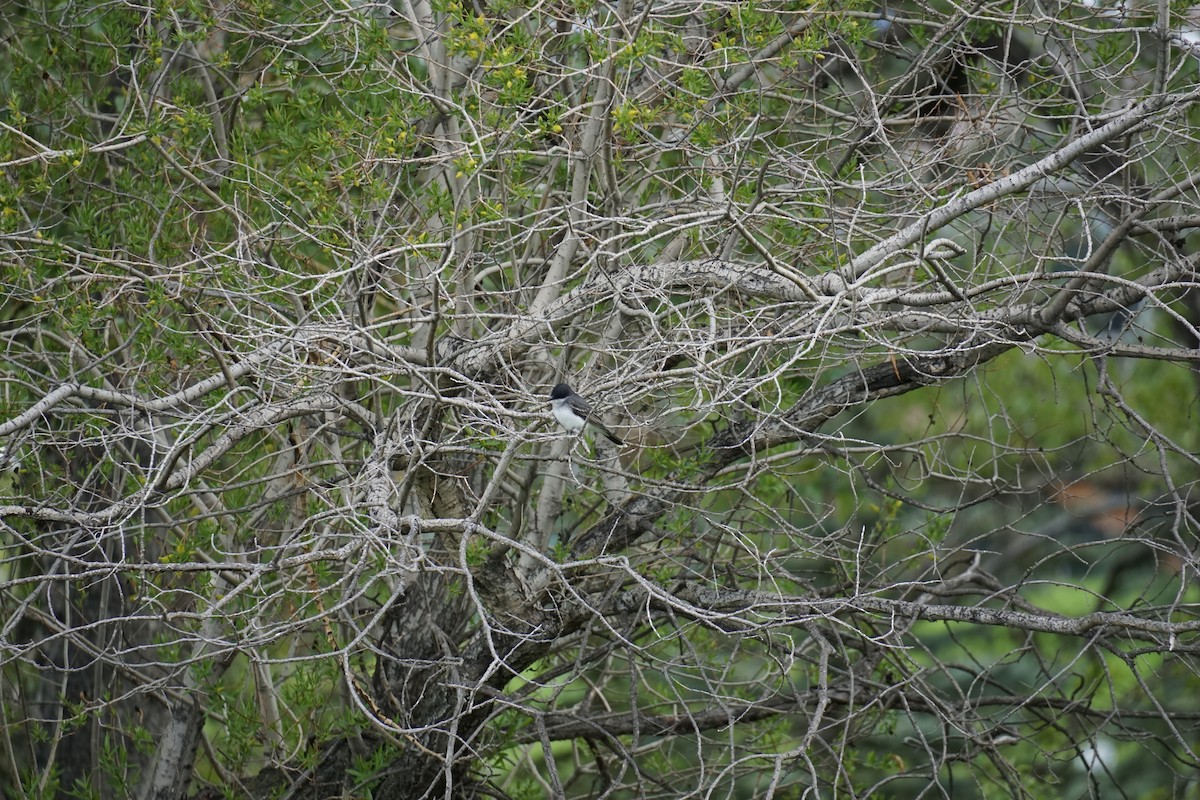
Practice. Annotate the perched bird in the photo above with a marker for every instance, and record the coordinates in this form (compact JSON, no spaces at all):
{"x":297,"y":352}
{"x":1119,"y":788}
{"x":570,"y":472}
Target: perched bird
{"x":573,"y":412}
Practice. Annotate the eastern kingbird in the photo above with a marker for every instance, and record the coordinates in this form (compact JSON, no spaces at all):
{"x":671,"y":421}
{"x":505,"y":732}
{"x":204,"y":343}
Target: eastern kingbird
{"x":573,"y":412}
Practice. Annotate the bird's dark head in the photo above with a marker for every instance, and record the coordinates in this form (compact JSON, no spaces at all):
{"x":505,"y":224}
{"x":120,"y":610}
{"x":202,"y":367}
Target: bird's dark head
{"x":560,"y":391}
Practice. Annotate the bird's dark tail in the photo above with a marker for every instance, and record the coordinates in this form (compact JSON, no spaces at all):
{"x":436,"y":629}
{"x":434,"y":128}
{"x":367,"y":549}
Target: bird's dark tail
{"x":612,"y":437}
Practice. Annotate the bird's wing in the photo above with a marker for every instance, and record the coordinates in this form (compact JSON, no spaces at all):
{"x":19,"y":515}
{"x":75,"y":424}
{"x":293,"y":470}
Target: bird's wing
{"x":580,"y":406}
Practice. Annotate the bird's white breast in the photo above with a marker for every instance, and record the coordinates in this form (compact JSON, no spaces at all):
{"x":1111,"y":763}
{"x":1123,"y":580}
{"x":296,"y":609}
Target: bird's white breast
{"x":565,"y":416}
